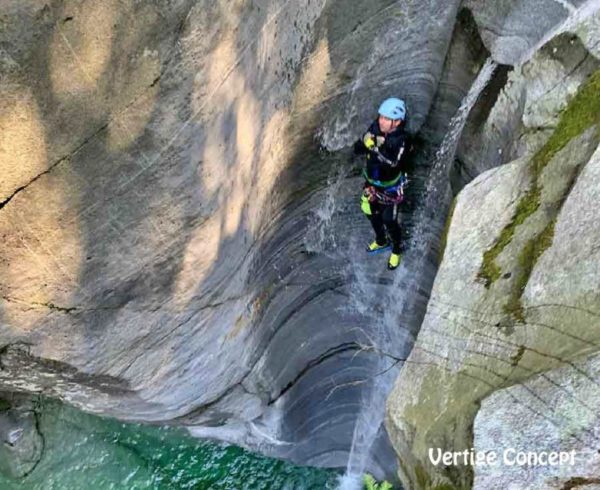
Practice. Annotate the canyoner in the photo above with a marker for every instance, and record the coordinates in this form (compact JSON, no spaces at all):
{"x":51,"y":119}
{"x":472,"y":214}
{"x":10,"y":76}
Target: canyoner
{"x":384,"y":144}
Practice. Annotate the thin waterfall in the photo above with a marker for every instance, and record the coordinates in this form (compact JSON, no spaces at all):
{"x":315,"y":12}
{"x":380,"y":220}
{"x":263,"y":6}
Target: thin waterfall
{"x":388,"y":312}
{"x":418,"y":264}
{"x":398,"y":297}
{"x":438,"y":180}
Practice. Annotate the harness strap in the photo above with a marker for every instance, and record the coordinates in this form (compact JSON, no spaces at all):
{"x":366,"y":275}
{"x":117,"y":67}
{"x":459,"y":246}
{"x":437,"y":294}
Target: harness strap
{"x":391,"y":194}
{"x":384,"y":183}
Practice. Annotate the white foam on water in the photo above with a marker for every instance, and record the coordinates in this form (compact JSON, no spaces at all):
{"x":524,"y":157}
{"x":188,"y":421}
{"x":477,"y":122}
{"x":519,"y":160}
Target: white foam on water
{"x":350,"y":482}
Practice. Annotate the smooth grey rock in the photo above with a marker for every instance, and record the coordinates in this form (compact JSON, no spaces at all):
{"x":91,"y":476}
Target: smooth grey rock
{"x":428,"y":390}
{"x":21,"y":445}
{"x":513,"y":30}
{"x":470,"y":344}
{"x":552,"y":79}
{"x":562,"y":296}
{"x":170,"y":250}
{"x":589,"y":33}
{"x":519,"y":119}
{"x":561,"y":408}
{"x":394,"y":62}
{"x":160,"y":180}
{"x":464,"y":59}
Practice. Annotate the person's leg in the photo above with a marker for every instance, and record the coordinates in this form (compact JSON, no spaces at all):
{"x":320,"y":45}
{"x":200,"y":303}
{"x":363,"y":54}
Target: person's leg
{"x":390,"y":220}
{"x":377,"y":223}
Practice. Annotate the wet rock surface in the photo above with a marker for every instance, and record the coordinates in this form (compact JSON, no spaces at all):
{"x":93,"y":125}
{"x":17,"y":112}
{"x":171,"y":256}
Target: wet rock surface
{"x":161,"y":189}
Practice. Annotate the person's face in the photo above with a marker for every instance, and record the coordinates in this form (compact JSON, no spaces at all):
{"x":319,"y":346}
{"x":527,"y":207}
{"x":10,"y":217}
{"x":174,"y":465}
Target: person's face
{"x":387,"y":125}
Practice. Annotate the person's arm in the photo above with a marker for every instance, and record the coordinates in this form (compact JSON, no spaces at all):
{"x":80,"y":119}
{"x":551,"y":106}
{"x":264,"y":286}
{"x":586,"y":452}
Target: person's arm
{"x":394,"y":150}
{"x":359,"y":147}
{"x":367,"y":142}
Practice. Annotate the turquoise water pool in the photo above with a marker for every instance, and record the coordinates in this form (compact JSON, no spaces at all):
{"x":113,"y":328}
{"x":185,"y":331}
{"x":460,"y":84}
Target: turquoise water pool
{"x":84,"y":451}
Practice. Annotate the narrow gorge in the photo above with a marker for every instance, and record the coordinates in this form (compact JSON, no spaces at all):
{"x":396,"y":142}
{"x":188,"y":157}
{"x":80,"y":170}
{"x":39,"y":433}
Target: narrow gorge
{"x":183,"y":244}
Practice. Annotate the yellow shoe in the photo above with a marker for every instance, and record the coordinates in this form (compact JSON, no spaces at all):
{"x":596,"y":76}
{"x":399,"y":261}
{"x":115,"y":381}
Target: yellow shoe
{"x":394,"y":261}
{"x":374,"y":247}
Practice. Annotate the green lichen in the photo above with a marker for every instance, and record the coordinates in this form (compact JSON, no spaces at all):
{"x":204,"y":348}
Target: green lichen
{"x":528,"y":257}
{"x":582,"y":112}
{"x":516,"y":359}
{"x":527,"y":205}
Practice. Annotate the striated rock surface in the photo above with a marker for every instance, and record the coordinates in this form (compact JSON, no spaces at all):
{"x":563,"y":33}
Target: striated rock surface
{"x":160,"y":183}
{"x":175,"y":246}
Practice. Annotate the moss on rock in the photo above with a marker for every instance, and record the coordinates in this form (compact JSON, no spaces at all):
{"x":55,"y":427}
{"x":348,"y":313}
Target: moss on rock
{"x":528,"y":257}
{"x":528,"y":205}
{"x":582,"y":112}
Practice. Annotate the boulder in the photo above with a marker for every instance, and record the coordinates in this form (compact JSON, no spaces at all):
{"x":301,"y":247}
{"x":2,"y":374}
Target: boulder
{"x":21,"y":444}
{"x":513,"y":297}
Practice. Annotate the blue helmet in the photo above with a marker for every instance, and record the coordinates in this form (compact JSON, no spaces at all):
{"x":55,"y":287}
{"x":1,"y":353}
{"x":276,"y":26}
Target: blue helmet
{"x":393,"y":108}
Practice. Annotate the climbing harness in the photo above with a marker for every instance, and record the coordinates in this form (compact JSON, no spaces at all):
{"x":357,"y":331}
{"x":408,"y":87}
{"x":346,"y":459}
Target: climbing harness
{"x":386,"y":195}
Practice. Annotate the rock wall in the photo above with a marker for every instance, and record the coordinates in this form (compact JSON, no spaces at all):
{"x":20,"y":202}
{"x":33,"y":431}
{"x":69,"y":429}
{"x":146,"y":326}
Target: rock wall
{"x":22,"y":444}
{"x":561,"y":408}
{"x":519,"y":110}
{"x":159,"y":177}
{"x":515,"y":294}
{"x":160,"y":190}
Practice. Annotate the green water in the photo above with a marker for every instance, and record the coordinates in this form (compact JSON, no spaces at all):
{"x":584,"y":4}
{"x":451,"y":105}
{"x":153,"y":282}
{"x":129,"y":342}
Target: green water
{"x":87,"y":452}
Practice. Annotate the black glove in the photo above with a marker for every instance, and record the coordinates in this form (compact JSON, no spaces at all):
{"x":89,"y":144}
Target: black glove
{"x":359,"y":148}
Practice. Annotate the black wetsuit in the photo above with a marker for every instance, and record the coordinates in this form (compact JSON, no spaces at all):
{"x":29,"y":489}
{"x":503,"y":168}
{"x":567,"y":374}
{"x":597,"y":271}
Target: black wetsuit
{"x":383,"y":174}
